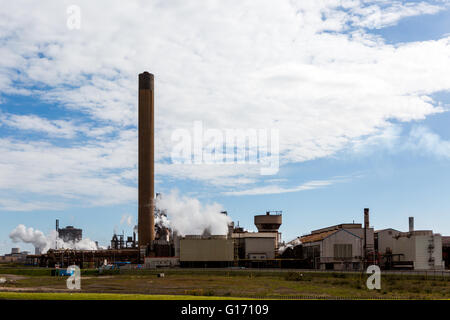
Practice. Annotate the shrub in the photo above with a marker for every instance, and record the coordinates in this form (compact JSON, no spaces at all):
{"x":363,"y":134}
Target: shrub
{"x":294,"y":276}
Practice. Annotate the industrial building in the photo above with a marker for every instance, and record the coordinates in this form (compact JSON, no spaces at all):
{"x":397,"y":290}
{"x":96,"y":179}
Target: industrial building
{"x":339,"y":247}
{"x":347,"y":246}
{"x":16,"y":256}
{"x":353,"y":246}
{"x":228,"y":250}
{"x":255,"y":245}
{"x":70,"y":234}
{"x":261,"y":245}
{"x":415,"y":249}
{"x":206,"y":251}
{"x":446,"y":251}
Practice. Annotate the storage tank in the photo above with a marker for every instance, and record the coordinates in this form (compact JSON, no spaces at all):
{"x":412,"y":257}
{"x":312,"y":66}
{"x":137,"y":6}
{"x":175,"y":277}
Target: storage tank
{"x":268,"y":222}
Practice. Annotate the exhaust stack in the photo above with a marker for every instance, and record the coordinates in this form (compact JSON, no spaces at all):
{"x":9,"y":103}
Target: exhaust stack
{"x":411,"y":224}
{"x":366,"y":218}
{"x":366,"y":226}
{"x":146,"y":219}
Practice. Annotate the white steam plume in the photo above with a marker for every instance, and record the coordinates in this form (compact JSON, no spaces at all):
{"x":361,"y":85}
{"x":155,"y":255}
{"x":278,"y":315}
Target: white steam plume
{"x":128,"y":219}
{"x":290,"y":244}
{"x":35,"y":237}
{"x":45,"y":242}
{"x":189,"y":216}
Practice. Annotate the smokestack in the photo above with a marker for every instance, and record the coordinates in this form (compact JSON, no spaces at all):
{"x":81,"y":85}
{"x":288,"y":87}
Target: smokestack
{"x":366,"y":226}
{"x":57,"y":233}
{"x":146,"y":223}
{"x":366,"y":218}
{"x":411,"y":224}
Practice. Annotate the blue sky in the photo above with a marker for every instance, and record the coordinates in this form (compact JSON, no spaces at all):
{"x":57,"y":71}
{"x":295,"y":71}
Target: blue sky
{"x":359,"y":91}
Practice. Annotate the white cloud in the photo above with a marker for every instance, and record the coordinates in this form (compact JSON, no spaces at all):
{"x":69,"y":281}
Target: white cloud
{"x":388,"y":138}
{"x":92,"y":172}
{"x":261,"y":64}
{"x":8,"y":204}
{"x":275,"y":189}
{"x":56,"y":128}
{"x":426,"y":142}
{"x":388,"y":13}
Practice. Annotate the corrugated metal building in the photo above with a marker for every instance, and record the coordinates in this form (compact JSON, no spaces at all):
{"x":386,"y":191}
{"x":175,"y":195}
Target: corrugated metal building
{"x":256,"y":245}
{"x":339,"y":247}
{"x":206,"y":251}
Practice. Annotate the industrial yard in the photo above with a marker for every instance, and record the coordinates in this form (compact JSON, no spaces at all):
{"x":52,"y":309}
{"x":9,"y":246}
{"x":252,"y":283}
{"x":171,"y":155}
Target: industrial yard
{"x":230,"y":283}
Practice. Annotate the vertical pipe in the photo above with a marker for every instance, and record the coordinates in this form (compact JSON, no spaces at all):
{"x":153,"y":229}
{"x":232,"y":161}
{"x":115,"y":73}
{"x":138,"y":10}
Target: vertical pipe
{"x":57,"y":233}
{"x":146,"y":224}
{"x":411,"y":224}
{"x":366,"y":226}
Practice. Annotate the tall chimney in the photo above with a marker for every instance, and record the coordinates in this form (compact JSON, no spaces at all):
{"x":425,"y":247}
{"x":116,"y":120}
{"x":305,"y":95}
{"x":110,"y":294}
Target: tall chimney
{"x":146,"y":223}
{"x":411,"y":224}
{"x":366,"y":226}
{"x":57,"y":233}
{"x":366,"y":218}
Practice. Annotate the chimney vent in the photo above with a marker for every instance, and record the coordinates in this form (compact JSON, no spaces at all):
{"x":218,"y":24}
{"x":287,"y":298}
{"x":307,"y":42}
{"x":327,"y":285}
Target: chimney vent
{"x":411,"y":224}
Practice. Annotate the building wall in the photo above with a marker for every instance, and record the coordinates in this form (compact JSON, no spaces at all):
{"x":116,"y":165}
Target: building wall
{"x":386,"y":240}
{"x":311,"y":252}
{"x":341,"y":237}
{"x":416,"y":248}
{"x":360,"y":233}
{"x":326,"y":248}
{"x":204,"y":250}
{"x":438,"y":256}
{"x":258,"y":246}
{"x":405,"y":246}
{"x":423,"y":253}
{"x":155,"y":262}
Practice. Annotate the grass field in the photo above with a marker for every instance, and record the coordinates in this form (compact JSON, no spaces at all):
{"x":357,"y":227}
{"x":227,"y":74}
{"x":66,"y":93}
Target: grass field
{"x":205,"y":284}
{"x":96,"y":296}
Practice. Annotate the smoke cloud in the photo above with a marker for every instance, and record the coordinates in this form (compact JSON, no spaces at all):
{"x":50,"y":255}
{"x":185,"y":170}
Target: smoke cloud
{"x":45,"y":242}
{"x":188,"y":216}
{"x":290,"y":244}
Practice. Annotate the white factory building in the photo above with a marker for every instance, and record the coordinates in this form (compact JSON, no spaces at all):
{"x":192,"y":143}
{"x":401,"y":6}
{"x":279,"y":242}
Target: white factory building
{"x":257,"y":245}
{"x":415,"y":249}
{"x":339,"y":247}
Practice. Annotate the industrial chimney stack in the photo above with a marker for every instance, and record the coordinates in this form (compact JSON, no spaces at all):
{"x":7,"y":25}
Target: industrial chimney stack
{"x":411,"y":224}
{"x":146,"y":223}
{"x":366,"y":218}
{"x":366,"y":226}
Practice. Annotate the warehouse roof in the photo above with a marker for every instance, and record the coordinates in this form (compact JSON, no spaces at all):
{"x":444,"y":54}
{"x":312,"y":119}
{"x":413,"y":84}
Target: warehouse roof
{"x":337,"y":227}
{"x":317,"y":236}
{"x":321,"y":236}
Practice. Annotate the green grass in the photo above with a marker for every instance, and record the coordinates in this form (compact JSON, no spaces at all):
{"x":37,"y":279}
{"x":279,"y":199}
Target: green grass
{"x":249,"y":283}
{"x":30,"y":271}
{"x":100,"y":296}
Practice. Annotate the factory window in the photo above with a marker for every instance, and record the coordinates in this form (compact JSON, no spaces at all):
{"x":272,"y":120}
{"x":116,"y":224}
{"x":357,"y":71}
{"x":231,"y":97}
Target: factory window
{"x":342,"y":251}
